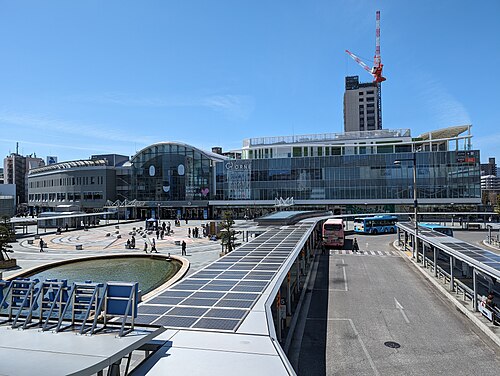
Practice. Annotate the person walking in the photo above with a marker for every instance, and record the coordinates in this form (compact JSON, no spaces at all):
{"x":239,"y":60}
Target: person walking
{"x":183,"y":247}
{"x":157,"y":233}
{"x":153,"y":247}
{"x":41,"y":245}
{"x":145,"y":246}
{"x":355,"y":246}
{"x":189,"y":232}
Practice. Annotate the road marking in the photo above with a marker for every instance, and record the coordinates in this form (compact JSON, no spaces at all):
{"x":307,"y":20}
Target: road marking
{"x":345,"y":276}
{"x":370,"y":360}
{"x":345,"y":289}
{"x":401,"y":309}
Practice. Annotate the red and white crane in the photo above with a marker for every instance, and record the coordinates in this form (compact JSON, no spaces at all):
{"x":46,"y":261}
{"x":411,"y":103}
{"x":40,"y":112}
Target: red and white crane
{"x":376,"y":71}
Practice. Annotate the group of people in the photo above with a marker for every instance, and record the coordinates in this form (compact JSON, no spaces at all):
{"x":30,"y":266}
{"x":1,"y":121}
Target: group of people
{"x":195,"y":232}
{"x":131,"y":243}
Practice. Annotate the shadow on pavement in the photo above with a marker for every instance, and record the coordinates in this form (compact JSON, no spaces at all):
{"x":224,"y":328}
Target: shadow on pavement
{"x":312,"y":358}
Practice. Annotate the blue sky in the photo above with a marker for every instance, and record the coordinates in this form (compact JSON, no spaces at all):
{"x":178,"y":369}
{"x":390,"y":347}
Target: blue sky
{"x":86,"y":77}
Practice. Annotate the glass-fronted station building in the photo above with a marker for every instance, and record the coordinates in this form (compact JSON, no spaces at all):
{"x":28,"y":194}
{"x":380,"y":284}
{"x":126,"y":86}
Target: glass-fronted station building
{"x":346,"y":173}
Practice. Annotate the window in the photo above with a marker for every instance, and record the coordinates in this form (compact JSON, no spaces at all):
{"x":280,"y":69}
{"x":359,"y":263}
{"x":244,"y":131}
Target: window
{"x":320,"y":151}
{"x":361,"y":99}
{"x":370,"y":92}
{"x":297,"y":152}
{"x":370,"y":105}
{"x":306,"y":149}
{"x":370,"y":99}
{"x":92,"y":180}
{"x":360,"y":93}
{"x":327,"y":151}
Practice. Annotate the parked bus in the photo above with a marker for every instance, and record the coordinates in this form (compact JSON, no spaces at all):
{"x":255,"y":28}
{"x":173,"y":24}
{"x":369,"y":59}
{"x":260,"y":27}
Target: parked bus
{"x":333,"y":233}
{"x":376,"y":225}
{"x":434,"y":226}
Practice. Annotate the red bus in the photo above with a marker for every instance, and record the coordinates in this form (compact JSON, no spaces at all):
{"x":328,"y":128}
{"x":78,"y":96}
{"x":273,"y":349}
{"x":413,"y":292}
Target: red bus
{"x":333,"y":233}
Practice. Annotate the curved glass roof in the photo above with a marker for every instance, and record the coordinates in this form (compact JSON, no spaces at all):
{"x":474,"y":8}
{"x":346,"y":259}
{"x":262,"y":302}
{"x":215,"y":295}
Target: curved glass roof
{"x":70,"y":164}
{"x":208,"y":154}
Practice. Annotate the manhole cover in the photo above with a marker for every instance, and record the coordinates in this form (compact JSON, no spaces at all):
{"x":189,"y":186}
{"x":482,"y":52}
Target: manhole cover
{"x":392,"y":345}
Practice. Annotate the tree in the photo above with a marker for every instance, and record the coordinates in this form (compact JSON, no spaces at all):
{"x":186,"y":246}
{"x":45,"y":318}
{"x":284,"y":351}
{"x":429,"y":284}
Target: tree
{"x":228,"y":234}
{"x":5,"y":238}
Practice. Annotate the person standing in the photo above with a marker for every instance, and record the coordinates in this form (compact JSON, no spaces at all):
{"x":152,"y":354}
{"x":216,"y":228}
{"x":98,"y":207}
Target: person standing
{"x":189,"y":232}
{"x":183,"y":247}
{"x":132,"y":242}
{"x":41,"y":245}
{"x":355,"y":246}
{"x":145,"y":246}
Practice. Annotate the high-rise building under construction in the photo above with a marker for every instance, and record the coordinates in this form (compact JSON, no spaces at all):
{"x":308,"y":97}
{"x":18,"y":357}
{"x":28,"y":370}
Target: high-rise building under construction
{"x":361,"y":105}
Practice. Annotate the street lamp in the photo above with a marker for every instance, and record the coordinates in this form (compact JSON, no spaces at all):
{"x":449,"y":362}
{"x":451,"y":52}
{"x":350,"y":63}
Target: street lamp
{"x":415,"y":202}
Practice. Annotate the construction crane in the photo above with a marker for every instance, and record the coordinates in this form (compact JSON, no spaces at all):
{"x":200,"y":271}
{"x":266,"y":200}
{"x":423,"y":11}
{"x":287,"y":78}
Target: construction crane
{"x":376,"y":71}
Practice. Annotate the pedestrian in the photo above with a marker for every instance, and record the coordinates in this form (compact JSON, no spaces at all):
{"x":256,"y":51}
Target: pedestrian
{"x":323,"y":248}
{"x":189,"y":232}
{"x":41,"y":245}
{"x":163,"y":226}
{"x":66,"y":227}
{"x":183,"y":247}
{"x":132,"y":242}
{"x":162,"y":234}
{"x":127,"y":246}
{"x":355,"y":246}
{"x":145,"y":246}
{"x":157,"y":233}
{"x":153,"y":247}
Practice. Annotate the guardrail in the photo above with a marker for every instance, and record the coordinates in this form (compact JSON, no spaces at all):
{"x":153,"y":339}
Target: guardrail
{"x":458,"y":286}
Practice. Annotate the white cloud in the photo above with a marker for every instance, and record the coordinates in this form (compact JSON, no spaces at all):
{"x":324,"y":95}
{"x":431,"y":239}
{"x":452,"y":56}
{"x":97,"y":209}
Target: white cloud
{"x":51,"y":127}
{"x":445,"y":109}
{"x":237,"y":107}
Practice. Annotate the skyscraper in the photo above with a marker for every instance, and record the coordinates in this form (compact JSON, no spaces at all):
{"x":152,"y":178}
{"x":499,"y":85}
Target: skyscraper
{"x":361,"y":105}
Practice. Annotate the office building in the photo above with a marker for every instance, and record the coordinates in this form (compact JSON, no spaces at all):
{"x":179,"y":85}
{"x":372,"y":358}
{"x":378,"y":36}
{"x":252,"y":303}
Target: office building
{"x":489,"y":168}
{"x":16,"y":169}
{"x":362,"y":107}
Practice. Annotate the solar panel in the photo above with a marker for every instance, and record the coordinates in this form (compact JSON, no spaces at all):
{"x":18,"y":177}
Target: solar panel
{"x":164,"y":301}
{"x":199,"y":302}
{"x":176,"y":321}
{"x":187,"y":311}
{"x":234,"y":303}
{"x":216,"y":324}
{"x":241,"y":296}
{"x":208,"y":295}
{"x":152,"y":309}
{"x":226,"y":313}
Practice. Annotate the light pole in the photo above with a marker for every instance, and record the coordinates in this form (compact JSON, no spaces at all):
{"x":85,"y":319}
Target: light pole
{"x":415,"y":202}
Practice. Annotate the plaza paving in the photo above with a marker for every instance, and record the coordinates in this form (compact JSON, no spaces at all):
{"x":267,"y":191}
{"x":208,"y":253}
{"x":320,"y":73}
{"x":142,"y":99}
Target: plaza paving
{"x":108,"y":239}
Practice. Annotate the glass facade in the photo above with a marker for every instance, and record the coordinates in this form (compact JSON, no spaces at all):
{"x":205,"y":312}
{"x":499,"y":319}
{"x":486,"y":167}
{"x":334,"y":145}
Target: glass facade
{"x":172,"y":172}
{"x":440,"y":175}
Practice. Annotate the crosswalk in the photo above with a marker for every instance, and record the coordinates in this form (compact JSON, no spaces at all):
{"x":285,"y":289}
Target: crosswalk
{"x":365,"y":253}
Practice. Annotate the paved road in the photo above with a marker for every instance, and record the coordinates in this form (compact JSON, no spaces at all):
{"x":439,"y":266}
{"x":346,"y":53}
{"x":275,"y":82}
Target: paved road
{"x":361,"y":301}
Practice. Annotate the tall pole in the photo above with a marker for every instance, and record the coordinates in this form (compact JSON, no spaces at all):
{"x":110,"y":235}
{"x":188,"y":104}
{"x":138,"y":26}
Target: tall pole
{"x":415,"y":205}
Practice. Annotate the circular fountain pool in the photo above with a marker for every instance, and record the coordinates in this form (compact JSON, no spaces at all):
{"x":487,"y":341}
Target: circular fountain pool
{"x":150,"y":272}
